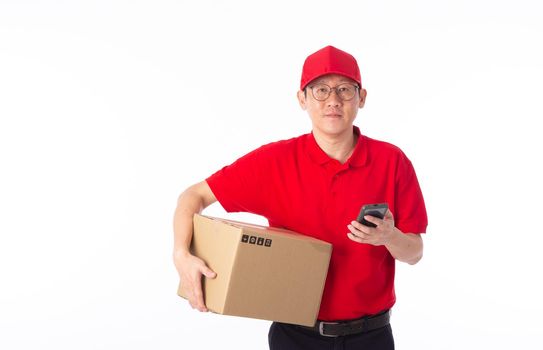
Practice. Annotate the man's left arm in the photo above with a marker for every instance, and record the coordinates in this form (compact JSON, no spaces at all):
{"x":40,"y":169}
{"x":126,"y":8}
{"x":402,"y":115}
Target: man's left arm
{"x":406,"y":247}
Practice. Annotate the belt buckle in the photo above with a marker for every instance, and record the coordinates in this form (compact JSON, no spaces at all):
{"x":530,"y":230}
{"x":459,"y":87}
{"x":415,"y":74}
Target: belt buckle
{"x":321,"y":329}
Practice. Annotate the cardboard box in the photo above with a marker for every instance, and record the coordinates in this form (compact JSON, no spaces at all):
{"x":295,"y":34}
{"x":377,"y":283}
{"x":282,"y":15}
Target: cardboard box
{"x":265,"y":273}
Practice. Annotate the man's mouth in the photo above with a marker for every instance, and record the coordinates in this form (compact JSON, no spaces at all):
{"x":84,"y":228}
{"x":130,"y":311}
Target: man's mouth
{"x":333,"y":114}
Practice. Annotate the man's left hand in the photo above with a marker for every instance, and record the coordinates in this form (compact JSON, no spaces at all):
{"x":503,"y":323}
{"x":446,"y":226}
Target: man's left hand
{"x":377,"y":236}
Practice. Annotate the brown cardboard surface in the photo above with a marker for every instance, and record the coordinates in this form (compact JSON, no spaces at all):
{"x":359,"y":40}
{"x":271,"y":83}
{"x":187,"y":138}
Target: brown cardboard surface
{"x":262,"y":272}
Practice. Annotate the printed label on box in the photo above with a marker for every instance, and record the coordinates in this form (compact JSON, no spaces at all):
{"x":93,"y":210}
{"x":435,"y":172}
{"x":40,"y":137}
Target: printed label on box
{"x":265,"y":242}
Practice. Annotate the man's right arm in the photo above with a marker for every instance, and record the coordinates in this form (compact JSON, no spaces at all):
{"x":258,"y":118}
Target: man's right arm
{"x":190,"y":268}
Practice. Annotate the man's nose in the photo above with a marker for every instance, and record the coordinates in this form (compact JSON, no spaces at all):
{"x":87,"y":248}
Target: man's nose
{"x":333,"y":99}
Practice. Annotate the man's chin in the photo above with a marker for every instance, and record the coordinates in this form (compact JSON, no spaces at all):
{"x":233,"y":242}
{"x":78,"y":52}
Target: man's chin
{"x":333,"y":130}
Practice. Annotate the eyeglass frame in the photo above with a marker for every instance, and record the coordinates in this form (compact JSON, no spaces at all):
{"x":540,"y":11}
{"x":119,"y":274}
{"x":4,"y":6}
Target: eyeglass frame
{"x":356,"y":86}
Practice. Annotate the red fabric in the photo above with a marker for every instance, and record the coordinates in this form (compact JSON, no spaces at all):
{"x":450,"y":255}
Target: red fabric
{"x":296,"y":186}
{"x":329,"y":60}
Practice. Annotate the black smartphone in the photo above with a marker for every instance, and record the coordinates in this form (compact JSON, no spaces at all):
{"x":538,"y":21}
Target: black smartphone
{"x":377,"y":210}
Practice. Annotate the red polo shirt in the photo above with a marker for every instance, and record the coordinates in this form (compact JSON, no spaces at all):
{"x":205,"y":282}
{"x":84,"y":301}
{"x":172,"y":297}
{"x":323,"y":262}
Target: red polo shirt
{"x":296,"y":186}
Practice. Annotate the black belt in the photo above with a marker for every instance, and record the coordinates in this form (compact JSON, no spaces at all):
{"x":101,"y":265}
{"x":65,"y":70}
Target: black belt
{"x":360,"y":325}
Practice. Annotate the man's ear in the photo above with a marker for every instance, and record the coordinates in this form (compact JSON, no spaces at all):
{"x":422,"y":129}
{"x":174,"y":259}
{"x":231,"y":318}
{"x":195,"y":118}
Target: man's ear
{"x":363,"y":94}
{"x":301,"y":99}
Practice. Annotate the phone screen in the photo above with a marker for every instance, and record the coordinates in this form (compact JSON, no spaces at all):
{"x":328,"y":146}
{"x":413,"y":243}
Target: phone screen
{"x":377,"y":210}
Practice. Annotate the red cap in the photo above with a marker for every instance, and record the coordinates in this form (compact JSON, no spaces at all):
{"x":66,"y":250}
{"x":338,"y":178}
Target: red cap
{"x":329,"y":60}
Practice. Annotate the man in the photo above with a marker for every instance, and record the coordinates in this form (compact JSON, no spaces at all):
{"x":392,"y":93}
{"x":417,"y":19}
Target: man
{"x":315,"y":184}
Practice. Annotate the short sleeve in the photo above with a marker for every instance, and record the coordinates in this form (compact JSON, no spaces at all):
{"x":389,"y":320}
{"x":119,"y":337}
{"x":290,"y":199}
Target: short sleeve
{"x":242,"y":185}
{"x":410,"y":210}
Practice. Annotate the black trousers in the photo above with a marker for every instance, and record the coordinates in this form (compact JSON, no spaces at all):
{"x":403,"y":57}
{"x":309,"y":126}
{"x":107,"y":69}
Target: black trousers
{"x":284,"y":336}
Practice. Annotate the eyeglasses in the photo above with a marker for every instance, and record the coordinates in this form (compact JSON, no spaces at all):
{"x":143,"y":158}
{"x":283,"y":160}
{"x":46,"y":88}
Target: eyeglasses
{"x":344,"y":91}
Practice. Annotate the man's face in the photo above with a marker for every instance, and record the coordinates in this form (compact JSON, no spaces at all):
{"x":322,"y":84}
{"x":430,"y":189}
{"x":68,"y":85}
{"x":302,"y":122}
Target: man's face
{"x":332,"y":117}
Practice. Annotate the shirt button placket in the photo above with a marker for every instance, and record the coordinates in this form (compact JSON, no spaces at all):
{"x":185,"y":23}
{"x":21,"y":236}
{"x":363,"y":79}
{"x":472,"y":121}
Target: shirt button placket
{"x":334,"y":184}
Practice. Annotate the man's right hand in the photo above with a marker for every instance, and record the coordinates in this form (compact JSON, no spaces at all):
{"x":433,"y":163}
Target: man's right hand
{"x":191,"y":269}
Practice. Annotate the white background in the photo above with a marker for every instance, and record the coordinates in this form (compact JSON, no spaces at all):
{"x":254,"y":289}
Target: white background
{"x":109,"y":109}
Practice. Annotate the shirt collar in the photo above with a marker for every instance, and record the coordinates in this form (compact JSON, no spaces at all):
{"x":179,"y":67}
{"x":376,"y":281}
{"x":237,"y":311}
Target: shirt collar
{"x":358,"y":158}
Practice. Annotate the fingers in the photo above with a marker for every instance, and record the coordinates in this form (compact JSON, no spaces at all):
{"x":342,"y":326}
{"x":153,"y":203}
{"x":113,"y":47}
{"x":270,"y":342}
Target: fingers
{"x":197,"y":302}
{"x":365,"y":234}
{"x":357,"y":239}
{"x":359,"y":233}
{"x":388,"y":215}
{"x":197,"y":299}
{"x":192,"y":287}
{"x":374,"y":220}
{"x":378,"y":235}
{"x":191,"y":281}
{"x":206,"y":271}
{"x":359,"y":230}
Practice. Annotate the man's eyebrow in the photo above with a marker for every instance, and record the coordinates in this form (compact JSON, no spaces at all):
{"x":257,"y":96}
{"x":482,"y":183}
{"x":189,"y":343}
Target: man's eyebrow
{"x":326,"y":81}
